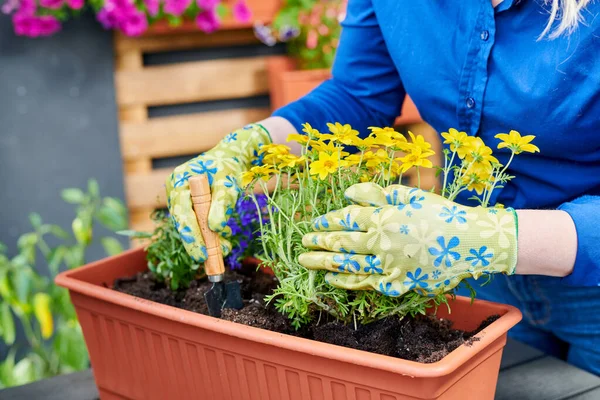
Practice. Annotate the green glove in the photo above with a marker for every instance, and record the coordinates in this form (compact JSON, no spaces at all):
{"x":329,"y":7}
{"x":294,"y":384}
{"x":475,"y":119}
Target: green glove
{"x":223,"y":165}
{"x":398,"y":239}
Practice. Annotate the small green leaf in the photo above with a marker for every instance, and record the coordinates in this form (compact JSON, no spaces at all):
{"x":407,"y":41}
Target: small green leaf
{"x":36,"y":220}
{"x":111,"y":246}
{"x":82,"y":231}
{"x":73,"y":196}
{"x":93,"y":188}
{"x":23,"y":280}
{"x":8,"y":324}
{"x":112,"y":217}
{"x":135,"y":234}
{"x":59,"y":232}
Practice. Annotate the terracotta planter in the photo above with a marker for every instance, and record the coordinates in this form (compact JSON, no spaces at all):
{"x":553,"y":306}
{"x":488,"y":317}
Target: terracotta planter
{"x":262,"y":11}
{"x":287,"y":84}
{"x":143,"y":350}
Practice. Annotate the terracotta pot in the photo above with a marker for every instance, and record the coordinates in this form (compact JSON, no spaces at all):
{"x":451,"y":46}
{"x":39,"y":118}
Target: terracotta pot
{"x":287,"y":84}
{"x":143,"y":350}
{"x":263,"y":11}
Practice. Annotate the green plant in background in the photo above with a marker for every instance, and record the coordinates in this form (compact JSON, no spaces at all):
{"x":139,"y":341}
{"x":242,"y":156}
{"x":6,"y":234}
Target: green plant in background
{"x":311,"y":29}
{"x":54,"y":341}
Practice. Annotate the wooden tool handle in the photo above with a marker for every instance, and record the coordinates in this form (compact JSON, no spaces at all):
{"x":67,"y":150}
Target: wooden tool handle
{"x":201,"y":197}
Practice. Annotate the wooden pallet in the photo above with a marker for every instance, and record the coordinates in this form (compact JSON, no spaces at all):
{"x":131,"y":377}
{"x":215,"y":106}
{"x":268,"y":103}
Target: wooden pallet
{"x":139,"y":87}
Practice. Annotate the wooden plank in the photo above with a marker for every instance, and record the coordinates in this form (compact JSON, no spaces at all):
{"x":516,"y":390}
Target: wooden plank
{"x":147,"y":189}
{"x":517,"y":353}
{"x":76,"y":386}
{"x":546,"y":378}
{"x":192,"y":81}
{"x":183,"y":134}
{"x":185,"y":41}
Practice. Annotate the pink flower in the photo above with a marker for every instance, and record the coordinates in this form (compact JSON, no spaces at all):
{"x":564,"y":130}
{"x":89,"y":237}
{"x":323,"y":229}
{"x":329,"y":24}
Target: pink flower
{"x":208,"y":21}
{"x":152,"y":6}
{"x":27,"y":7}
{"x":323,"y":30}
{"x":176,"y":7}
{"x":207,"y":4}
{"x":134,"y":24}
{"x":52,"y":4}
{"x":108,"y":19}
{"x":312,"y":39}
{"x":241,"y":12}
{"x":75,"y":4}
{"x":32,"y":26}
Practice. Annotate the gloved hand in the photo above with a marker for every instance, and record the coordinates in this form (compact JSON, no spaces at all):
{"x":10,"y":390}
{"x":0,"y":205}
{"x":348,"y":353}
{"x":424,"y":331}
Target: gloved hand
{"x":223,"y":165}
{"x":398,"y":239}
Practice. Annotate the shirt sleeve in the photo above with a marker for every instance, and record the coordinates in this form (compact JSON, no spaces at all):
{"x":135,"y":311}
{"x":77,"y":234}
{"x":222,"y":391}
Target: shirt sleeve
{"x":365,"y":88}
{"x":585,"y":212}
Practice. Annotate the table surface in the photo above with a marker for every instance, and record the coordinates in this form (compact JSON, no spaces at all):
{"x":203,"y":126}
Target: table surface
{"x":525,"y":374}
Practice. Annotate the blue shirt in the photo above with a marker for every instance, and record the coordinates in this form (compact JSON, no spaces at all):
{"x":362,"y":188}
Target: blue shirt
{"x":480,"y":69}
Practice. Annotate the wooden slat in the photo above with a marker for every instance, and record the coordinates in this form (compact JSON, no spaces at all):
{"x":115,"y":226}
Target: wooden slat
{"x":183,"y":134}
{"x":192,"y":81}
{"x":185,"y":41}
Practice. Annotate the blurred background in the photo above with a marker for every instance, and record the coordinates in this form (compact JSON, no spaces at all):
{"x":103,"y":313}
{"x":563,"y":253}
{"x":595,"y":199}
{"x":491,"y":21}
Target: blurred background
{"x":99,"y":100}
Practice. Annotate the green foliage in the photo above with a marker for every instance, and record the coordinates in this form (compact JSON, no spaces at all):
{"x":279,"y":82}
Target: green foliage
{"x":44,"y":311}
{"x":167,"y":259}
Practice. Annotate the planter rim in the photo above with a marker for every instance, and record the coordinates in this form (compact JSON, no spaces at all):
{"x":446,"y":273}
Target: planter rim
{"x":509,"y":316}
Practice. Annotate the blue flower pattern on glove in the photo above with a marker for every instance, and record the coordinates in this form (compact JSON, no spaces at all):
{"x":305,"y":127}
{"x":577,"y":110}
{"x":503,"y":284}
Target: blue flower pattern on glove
{"x":231,"y":182}
{"x":480,"y":257}
{"x":205,"y":167}
{"x":388,"y":290}
{"x":404,"y":229}
{"x":185,"y":232}
{"x":230,"y":138}
{"x":347,"y":264}
{"x":181,"y":179}
{"x":414,"y":201}
{"x":373,"y":265}
{"x":451,"y":214}
{"x":321,"y":222}
{"x":445,"y":253}
{"x":416,"y":280}
{"x":348,"y":225}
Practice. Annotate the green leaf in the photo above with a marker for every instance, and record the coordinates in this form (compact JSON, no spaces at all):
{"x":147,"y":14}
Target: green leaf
{"x":72,"y":196}
{"x":93,"y":188}
{"x":55,"y":258}
{"x":59,"y":232}
{"x":23,"y":280}
{"x":74,"y":257}
{"x":111,"y":246}
{"x":82,"y":231}
{"x":135,"y":234}
{"x":70,"y":346}
{"x":36,"y":220}
{"x":27,"y":240}
{"x":8,"y":324}
{"x":111,"y":218}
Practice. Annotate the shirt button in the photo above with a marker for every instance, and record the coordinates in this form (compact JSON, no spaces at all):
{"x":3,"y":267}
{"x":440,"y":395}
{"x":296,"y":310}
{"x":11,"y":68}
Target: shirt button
{"x":485,"y":35}
{"x":470,"y":102}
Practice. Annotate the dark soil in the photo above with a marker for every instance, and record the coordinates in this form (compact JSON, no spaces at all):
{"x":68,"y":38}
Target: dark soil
{"x":423,"y":339}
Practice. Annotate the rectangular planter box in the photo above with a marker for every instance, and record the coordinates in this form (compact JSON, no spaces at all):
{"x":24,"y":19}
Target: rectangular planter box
{"x":287,"y":84}
{"x":143,"y":350}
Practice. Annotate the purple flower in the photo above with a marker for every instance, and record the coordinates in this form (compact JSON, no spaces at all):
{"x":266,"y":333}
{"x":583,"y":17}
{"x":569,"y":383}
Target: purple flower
{"x":234,"y":258}
{"x":152,"y":6}
{"x":108,"y":19}
{"x":208,"y":21}
{"x":241,"y":12}
{"x":235,"y":228}
{"x":288,"y":32}
{"x":32,"y":26}
{"x":134,"y":24}
{"x":264,"y":34}
{"x":176,"y":7}
{"x":52,"y":4}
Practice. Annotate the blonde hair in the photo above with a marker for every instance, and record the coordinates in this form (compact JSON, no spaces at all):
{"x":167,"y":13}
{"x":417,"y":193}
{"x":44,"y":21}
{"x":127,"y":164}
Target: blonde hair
{"x":568,"y":15}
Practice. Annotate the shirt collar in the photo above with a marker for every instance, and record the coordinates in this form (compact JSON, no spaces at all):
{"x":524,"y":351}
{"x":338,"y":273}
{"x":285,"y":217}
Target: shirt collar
{"x":506,"y":4}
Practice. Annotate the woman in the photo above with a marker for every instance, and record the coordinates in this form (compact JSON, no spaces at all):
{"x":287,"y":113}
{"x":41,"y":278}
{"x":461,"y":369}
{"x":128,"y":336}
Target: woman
{"x":483,"y":67}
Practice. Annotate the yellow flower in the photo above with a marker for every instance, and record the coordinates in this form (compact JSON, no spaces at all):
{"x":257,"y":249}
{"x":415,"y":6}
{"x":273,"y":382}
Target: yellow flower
{"x":343,"y":133}
{"x":41,"y":309}
{"x":374,"y":160}
{"x":416,"y":158}
{"x":517,"y":143}
{"x":296,"y":137}
{"x":325,"y":165}
{"x":290,"y":161}
{"x":310,"y":131}
{"x":391,"y":132}
{"x":476,"y":182}
{"x":273,"y":152}
{"x":420,"y":142}
{"x":352,"y":159}
{"x":366,"y":143}
{"x":262,"y":172}
{"x":384,"y":139}
{"x":480,"y":153}
{"x":329,"y":148}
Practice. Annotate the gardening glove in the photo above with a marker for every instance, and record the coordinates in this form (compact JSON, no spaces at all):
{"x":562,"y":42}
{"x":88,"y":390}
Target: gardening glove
{"x":223,"y":166}
{"x":397,"y":239}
